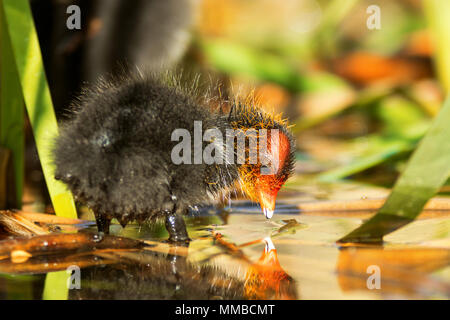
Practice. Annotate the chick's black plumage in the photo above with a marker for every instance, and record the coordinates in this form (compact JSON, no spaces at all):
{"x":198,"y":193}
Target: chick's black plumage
{"x":115,"y":154}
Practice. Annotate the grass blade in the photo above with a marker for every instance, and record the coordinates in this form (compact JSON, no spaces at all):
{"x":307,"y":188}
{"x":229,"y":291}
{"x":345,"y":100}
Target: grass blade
{"x":11,"y":110}
{"x":390,"y":149}
{"x":30,"y":70}
{"x":427,"y":170}
{"x":55,"y":287}
{"x":438,"y":13}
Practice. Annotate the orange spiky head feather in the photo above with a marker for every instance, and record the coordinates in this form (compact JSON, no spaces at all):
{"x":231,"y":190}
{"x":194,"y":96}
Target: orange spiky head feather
{"x":259,"y":187}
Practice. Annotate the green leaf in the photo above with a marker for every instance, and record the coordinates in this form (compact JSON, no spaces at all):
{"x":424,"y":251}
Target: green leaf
{"x":11,"y":110}
{"x":401,"y":117}
{"x":404,"y":124}
{"x":234,"y":58}
{"x":26,"y":52}
{"x":327,"y":36}
{"x":375,"y":157}
{"x":56,"y":286}
{"x":426,"y":171}
{"x":438,"y":14}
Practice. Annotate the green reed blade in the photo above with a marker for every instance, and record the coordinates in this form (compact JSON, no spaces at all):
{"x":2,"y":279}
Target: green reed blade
{"x":11,"y":110}
{"x":30,"y":69}
{"x":438,"y":14}
{"x":56,"y":286}
{"x":427,"y":170}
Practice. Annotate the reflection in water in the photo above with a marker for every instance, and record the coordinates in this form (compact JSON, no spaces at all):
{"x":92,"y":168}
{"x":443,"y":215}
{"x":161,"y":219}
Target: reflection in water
{"x":266,"y":279}
{"x":225,"y":261}
{"x":150,"y":275}
{"x":402,"y":271}
{"x":143,"y":272}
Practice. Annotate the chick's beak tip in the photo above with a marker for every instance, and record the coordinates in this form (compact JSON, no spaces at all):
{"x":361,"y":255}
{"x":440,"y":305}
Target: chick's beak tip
{"x":268,"y":213}
{"x":269,"y":244}
{"x":267,"y":202}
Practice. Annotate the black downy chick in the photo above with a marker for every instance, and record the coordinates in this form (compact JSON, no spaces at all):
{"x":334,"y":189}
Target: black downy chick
{"x":115,"y":154}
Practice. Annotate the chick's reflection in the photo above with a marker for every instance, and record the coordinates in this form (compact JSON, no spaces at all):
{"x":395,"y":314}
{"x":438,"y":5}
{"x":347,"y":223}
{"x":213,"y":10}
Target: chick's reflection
{"x":266,"y":279}
{"x":152,"y":275}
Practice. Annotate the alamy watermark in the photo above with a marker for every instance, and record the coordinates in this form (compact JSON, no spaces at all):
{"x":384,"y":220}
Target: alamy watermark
{"x":222,"y":150}
{"x":74,"y":281}
{"x":374,"y":280}
{"x":374,"y":20}
{"x":74,"y":20}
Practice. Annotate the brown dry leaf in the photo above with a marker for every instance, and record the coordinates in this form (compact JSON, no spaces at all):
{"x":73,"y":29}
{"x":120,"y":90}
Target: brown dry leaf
{"x":408,"y":266}
{"x":325,"y":104}
{"x":366,"y":68}
{"x":53,"y":263}
{"x":420,"y":44}
{"x":429,"y":95}
{"x":67,"y":244}
{"x":229,"y":247}
{"x":49,"y":218}
{"x":18,"y":225}
{"x":20,"y":256}
{"x":361,"y":207}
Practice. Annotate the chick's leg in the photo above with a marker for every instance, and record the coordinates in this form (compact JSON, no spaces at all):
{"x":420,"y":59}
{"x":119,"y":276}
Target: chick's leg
{"x":176,"y":227}
{"x":103,"y":223}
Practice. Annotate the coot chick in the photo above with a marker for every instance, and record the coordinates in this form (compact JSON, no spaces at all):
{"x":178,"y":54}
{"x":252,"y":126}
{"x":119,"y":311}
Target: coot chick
{"x":120,"y":153}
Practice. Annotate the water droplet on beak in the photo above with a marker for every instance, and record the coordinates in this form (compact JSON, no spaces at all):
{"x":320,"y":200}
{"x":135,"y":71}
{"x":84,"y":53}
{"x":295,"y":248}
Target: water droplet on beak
{"x":268,"y":213}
